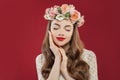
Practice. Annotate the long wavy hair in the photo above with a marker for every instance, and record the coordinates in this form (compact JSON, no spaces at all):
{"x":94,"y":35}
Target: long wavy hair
{"x":76,"y":67}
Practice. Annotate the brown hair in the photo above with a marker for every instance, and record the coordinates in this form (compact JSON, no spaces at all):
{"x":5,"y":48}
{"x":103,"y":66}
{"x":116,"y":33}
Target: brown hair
{"x":77,"y":68}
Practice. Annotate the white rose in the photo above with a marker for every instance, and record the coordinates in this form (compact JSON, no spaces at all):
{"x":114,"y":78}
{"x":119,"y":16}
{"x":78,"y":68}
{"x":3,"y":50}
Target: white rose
{"x":47,"y":16}
{"x":60,"y":17}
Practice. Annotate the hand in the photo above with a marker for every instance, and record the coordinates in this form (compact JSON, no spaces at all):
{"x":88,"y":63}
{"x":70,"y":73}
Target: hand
{"x":64,"y":60}
{"x":63,"y":67}
{"x":53,"y":47}
{"x":60,"y":52}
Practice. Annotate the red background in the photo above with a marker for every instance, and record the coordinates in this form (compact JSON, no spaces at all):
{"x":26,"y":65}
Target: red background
{"x":22,"y":29}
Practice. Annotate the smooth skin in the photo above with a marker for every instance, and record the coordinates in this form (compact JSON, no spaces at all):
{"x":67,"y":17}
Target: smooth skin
{"x":60,"y":63}
{"x":62,"y":28}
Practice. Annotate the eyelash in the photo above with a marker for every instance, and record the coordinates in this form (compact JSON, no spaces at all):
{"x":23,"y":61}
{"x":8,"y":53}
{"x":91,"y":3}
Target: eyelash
{"x":57,"y":29}
{"x":68,"y":30}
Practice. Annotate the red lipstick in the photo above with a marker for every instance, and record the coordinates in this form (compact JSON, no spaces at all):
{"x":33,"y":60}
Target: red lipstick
{"x":60,"y":38}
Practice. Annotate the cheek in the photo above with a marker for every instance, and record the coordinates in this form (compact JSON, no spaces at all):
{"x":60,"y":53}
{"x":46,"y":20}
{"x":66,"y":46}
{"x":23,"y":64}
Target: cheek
{"x":54,"y":31}
{"x":68,"y":36}
{"x":54,"y":35}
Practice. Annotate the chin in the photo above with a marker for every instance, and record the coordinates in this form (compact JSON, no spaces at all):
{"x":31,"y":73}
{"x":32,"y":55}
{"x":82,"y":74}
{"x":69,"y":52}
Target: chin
{"x":59,"y":44}
{"x":62,"y":44}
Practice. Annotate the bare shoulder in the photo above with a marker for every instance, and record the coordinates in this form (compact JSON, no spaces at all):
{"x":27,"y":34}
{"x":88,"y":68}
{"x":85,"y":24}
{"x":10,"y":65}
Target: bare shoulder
{"x":39,"y":59}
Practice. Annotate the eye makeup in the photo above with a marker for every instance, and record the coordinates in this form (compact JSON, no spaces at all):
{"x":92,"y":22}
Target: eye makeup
{"x":56,"y":26}
{"x":67,"y":27}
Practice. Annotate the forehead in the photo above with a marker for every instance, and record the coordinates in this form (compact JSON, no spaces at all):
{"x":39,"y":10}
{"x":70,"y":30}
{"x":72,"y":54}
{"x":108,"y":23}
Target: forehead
{"x":62,"y":23}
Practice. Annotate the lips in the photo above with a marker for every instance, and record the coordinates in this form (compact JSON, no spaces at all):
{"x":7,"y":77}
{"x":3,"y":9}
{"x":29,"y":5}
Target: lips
{"x":60,"y":38}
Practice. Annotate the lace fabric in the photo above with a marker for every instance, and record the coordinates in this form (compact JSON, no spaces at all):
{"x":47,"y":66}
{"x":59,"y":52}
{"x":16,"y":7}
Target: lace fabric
{"x":88,"y":56}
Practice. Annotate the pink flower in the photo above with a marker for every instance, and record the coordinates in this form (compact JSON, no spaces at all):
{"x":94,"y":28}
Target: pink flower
{"x":56,"y":10}
{"x":64,"y":11}
{"x":65,"y":8}
{"x":52,"y":13}
{"x":75,"y":15}
{"x":81,"y":21}
{"x":71,"y":7}
{"x":56,"y":6}
{"x":47,"y":10}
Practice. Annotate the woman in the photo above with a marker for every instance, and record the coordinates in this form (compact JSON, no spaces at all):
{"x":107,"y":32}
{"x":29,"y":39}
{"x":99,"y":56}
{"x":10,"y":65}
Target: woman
{"x":64,"y":56}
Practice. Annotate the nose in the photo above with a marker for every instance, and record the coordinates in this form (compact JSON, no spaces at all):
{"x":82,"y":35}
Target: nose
{"x":60,"y":34}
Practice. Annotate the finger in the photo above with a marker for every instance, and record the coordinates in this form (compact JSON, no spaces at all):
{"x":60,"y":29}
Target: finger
{"x":51,"y":41}
{"x":62,"y":52}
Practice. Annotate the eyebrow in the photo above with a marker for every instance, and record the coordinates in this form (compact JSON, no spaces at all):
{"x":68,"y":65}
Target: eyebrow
{"x":56,"y":24}
{"x":59,"y":25}
{"x":68,"y":26}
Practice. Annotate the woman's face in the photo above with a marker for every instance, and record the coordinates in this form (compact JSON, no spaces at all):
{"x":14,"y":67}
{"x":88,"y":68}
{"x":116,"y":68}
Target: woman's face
{"x":61,"y":31}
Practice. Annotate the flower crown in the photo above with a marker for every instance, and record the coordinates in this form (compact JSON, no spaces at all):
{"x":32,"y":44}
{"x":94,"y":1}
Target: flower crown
{"x":64,"y":12}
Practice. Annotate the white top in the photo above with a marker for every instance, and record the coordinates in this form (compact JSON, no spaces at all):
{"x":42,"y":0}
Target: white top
{"x":88,"y":56}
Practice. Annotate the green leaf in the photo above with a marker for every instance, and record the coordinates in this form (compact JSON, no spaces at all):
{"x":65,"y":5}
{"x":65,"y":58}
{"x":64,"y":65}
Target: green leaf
{"x":67,"y":14}
{"x":59,"y":10}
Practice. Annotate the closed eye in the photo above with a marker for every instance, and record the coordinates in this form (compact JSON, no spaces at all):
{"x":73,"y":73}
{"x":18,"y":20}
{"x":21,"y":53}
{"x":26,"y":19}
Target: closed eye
{"x":68,"y":30}
{"x":55,"y":28}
